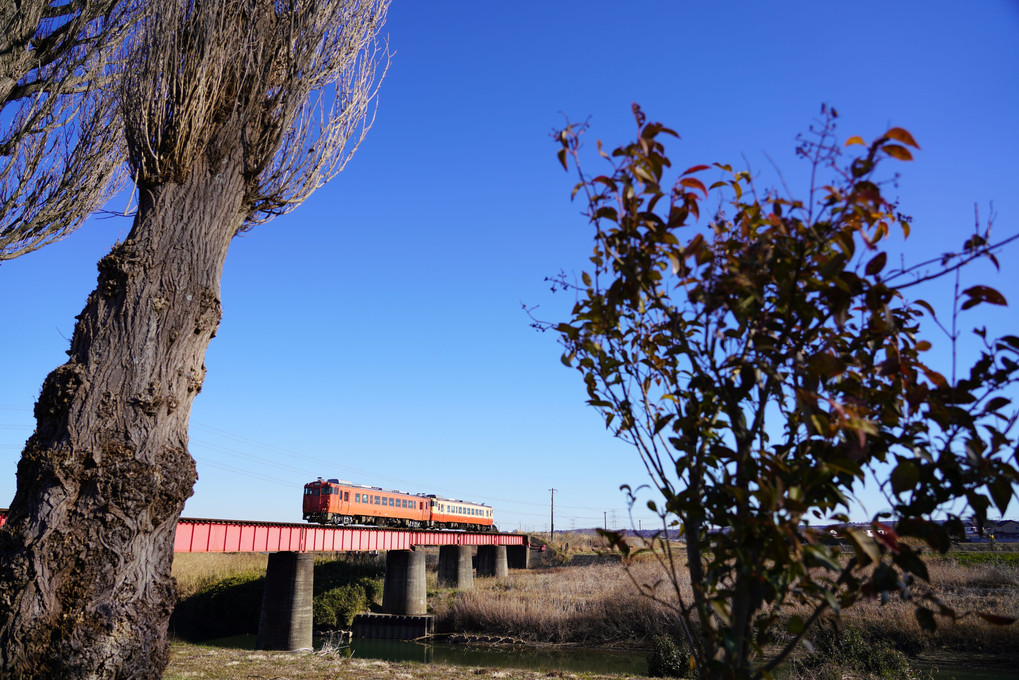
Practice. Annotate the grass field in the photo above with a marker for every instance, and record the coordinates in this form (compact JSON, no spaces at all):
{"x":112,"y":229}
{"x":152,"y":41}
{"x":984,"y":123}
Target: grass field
{"x":188,"y":662}
{"x":598,"y":604}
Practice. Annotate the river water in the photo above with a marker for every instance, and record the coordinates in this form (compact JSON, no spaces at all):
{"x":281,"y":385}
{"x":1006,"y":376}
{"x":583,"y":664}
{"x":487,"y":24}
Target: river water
{"x":570,"y":660}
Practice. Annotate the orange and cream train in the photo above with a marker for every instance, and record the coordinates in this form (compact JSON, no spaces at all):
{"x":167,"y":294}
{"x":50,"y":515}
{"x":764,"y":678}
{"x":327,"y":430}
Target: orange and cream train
{"x":331,"y":501}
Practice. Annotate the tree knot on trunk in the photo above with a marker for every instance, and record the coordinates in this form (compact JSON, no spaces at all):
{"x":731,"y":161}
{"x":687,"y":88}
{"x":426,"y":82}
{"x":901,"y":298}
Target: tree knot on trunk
{"x":150,"y":399}
{"x":113,"y":272}
{"x":209,"y":312}
{"x":58,"y":391}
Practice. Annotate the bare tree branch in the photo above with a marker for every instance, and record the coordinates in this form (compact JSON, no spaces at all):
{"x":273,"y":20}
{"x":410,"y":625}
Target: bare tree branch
{"x":60,"y":146}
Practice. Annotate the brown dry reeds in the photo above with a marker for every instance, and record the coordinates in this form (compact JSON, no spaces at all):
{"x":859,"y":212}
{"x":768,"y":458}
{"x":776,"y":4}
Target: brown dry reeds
{"x":600,"y":605}
{"x":587,"y":605}
{"x":196,"y":571}
{"x":968,"y":590}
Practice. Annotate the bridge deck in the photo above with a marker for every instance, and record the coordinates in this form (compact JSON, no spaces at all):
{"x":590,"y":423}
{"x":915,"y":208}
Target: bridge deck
{"x":222,"y":535}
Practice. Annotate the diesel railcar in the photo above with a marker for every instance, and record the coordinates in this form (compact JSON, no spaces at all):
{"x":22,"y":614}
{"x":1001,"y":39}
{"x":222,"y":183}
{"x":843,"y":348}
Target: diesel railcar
{"x":332,"y":501}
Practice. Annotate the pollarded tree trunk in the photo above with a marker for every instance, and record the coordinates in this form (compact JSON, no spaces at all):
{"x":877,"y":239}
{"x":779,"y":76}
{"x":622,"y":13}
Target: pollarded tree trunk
{"x":85,"y":586}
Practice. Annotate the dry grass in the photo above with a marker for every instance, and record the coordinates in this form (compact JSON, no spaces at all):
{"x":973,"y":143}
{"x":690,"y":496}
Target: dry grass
{"x":596,"y":604}
{"x":989,"y":588}
{"x":191,"y":661}
{"x":197,"y":571}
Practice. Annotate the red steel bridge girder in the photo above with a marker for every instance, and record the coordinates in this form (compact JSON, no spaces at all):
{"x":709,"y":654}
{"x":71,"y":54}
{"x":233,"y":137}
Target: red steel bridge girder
{"x":217,"y":535}
{"x":201,"y":535}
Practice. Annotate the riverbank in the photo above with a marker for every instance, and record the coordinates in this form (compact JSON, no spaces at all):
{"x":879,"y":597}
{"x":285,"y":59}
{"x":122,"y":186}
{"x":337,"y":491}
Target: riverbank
{"x":212,"y":663}
{"x":188,"y":662}
{"x":593,"y":602}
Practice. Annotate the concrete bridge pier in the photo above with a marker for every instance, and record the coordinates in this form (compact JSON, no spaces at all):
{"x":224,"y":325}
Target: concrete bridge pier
{"x":285,"y":621}
{"x":404,"y":588}
{"x":518,"y":556}
{"x":455,"y":567}
{"x":492,"y":561}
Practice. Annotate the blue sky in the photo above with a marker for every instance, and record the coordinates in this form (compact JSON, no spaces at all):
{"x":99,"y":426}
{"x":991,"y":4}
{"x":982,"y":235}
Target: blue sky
{"x":376,"y":334}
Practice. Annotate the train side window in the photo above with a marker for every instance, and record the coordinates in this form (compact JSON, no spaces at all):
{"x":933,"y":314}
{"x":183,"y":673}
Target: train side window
{"x":357,"y":498}
{"x":346,"y":495}
{"x":391,"y":501}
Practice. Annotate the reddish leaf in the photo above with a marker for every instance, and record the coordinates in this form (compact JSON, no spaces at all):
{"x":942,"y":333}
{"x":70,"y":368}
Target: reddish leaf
{"x":694,"y":183}
{"x":897,"y":151}
{"x":696,"y":168}
{"x":824,"y":364}
{"x":980,"y":294}
{"x":855,"y":139}
{"x":903,"y":136}
{"x":936,"y":378}
{"x":876,"y":264}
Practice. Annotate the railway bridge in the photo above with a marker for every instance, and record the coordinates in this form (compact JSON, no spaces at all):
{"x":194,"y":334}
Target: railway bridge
{"x":286,"y":615}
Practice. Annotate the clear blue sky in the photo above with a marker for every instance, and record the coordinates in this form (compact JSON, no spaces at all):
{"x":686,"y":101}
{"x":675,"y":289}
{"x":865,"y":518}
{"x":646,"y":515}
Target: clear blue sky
{"x":376,"y":334}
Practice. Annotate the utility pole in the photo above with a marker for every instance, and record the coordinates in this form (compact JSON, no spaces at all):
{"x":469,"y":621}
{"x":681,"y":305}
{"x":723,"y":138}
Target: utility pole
{"x":552,"y":517}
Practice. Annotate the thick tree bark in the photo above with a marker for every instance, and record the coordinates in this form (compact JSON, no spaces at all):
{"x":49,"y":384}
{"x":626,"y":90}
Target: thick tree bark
{"x":85,"y":586}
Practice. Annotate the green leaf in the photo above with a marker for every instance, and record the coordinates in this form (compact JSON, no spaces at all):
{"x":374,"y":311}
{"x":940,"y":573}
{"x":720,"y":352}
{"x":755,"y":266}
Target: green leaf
{"x":865,"y":547}
{"x":1001,"y":492}
{"x":905,"y":477}
{"x":661,"y":422}
{"x":996,"y":404}
{"x":1010,"y":340}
